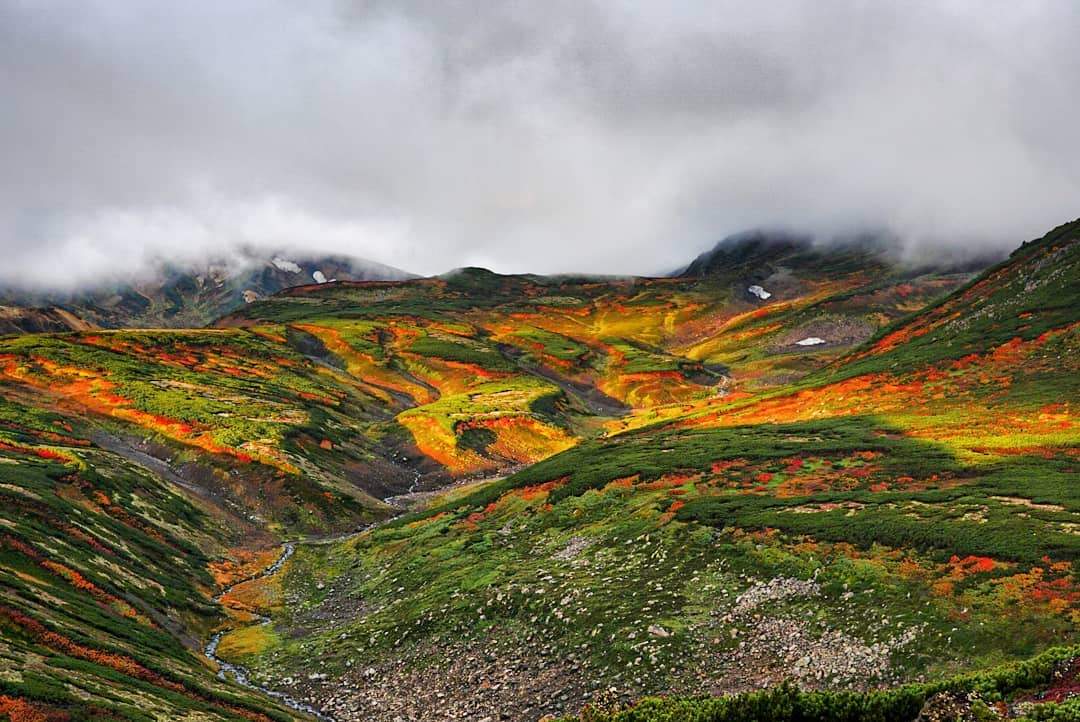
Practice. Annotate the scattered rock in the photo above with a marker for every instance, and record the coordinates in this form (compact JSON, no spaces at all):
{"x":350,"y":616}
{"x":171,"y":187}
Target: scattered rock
{"x":949,"y":707}
{"x":575,"y":546}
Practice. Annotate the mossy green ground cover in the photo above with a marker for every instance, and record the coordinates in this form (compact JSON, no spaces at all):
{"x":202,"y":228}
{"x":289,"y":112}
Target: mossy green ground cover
{"x":102,"y":575}
{"x":492,"y":559}
{"x":899,"y":512}
{"x":921,"y":506}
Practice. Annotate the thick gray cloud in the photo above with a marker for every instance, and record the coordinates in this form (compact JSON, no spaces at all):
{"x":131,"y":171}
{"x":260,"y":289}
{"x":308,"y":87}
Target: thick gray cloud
{"x":619,"y":137}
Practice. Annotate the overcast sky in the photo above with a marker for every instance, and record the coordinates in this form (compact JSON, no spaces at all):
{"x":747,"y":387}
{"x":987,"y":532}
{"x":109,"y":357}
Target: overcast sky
{"x":618,"y":137}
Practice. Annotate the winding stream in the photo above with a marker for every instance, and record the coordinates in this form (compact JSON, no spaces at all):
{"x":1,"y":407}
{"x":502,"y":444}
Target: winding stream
{"x":238,"y":673}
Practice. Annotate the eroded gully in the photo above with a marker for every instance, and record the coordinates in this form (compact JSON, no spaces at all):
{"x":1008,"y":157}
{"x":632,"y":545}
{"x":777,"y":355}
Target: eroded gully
{"x":240,"y":674}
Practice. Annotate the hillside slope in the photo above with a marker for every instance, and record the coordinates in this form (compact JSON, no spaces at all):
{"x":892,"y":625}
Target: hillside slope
{"x":306,"y":416}
{"x":904,"y":512}
{"x":104,"y":586}
{"x":46,"y":319}
{"x":760,"y":256}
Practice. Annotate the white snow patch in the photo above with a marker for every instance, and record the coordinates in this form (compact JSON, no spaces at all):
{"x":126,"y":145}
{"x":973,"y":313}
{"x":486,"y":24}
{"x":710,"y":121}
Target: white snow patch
{"x":759,"y":292}
{"x":319,"y":277}
{"x":283,"y":265}
{"x":810,"y":341}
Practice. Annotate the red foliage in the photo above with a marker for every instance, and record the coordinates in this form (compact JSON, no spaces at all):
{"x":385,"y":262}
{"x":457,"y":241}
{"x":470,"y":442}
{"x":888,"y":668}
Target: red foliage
{"x":74,"y":578}
{"x":308,"y":396}
{"x":40,"y":452}
{"x":898,"y":337}
{"x":794,"y":465}
{"x":1065,"y":686}
{"x":119,"y":662}
{"x":90,"y":541}
{"x":19,"y":710}
{"x":539,"y":490}
{"x":1008,"y":351}
{"x":973,"y":564}
{"x":60,"y":643}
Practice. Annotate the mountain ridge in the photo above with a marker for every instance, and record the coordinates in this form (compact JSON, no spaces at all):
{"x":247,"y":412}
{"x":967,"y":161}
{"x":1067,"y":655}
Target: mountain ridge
{"x":181,"y":296}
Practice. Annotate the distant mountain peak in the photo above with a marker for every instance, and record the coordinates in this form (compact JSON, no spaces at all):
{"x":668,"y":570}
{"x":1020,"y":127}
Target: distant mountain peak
{"x":185,"y":295}
{"x":755,"y":251}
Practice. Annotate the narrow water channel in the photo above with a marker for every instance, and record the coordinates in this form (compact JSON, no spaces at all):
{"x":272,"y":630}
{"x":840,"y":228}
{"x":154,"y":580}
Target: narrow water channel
{"x":239,"y":674}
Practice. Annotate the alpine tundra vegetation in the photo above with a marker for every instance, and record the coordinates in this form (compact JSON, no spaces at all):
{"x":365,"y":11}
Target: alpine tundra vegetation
{"x":519,"y":497}
{"x":559,"y":361}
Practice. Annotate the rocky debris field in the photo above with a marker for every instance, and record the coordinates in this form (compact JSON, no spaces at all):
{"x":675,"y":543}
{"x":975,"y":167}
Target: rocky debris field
{"x":828,"y":331}
{"x":516,"y":676}
{"x":774,"y":648}
{"x":517,"y":672}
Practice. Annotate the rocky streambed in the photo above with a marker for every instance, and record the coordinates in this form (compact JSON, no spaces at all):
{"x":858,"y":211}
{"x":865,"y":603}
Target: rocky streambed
{"x":239,"y":674}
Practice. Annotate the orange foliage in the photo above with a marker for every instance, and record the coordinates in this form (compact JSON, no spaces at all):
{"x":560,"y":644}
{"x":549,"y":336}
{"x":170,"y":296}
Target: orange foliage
{"x":241,"y":564}
{"x":39,"y":451}
{"x":538,"y":491}
{"x":58,"y":642}
{"x":973,"y":564}
{"x":625,"y":482}
{"x":440,"y":444}
{"x":428,"y":520}
{"x":519,"y":438}
{"x":1008,"y":351}
{"x":19,"y":710}
{"x":118,"y":662}
{"x":651,"y":388}
{"x":375,"y":376}
{"x":74,"y":578}
{"x":900,"y":336}
{"x":668,"y":515}
{"x":254,"y":596}
{"x":91,"y":390}
{"x":78,"y":581}
{"x":524,"y":439}
{"x":671,"y":481}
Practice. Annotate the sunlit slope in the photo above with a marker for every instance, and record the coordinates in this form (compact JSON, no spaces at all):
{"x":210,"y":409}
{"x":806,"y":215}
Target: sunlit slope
{"x":495,"y":371}
{"x":244,"y":416}
{"x":903,"y":511}
{"x":331,"y":394}
{"x":104,"y":588}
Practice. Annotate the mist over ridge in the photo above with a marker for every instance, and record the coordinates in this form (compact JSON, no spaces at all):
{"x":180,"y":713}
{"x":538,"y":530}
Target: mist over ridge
{"x":601,"y":137}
